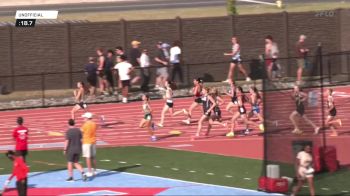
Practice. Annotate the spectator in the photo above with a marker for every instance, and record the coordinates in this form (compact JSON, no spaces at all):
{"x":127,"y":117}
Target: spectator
{"x":145,"y":72}
{"x":20,"y":135}
{"x":118,"y":52}
{"x":124,"y":70}
{"x":91,"y":75}
{"x":175,"y":60}
{"x":235,"y":60}
{"x":20,"y":170}
{"x":162,"y":71}
{"x":271,"y":55}
{"x":100,"y":70}
{"x":89,"y":129}
{"x":134,"y":59}
{"x":108,"y":70}
{"x":304,"y":171}
{"x":72,"y":149}
{"x":302,"y":51}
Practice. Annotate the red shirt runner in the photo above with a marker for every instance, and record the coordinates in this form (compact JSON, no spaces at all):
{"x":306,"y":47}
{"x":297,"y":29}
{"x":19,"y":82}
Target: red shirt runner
{"x":20,"y":169}
{"x":20,"y":134}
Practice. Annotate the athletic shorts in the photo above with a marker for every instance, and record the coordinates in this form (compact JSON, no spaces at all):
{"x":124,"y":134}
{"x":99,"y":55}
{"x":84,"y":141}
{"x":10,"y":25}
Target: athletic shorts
{"x":73,"y":157}
{"x":125,"y":83}
{"x":82,"y":105}
{"x":148,"y":117}
{"x":256,"y":109}
{"x":301,"y":63}
{"x":236,"y":61}
{"x":170,"y":104}
{"x":163,"y":72}
{"x":306,"y":172}
{"x":198,"y":100}
{"x":92,"y":80}
{"x":333,"y":112}
{"x":89,"y":150}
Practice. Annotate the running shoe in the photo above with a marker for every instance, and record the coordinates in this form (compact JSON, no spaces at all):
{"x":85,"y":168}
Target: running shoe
{"x":248,"y":79}
{"x":160,"y":125}
{"x":84,"y":177}
{"x":226,"y":81}
{"x":340,"y":122}
{"x":317,"y":130}
{"x":153,"y":138}
{"x":261,"y":127}
{"x":187,"y":122}
{"x":70,"y":179}
{"x":230,"y":134}
{"x":246,"y":132}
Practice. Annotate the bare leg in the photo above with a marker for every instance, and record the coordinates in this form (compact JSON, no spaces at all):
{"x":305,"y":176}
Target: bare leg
{"x":316,"y":129}
{"x":242,"y":70}
{"x":229,"y":107}
{"x":299,"y":74}
{"x":230,"y":72}
{"x":74,"y":110}
{"x":79,"y":167}
{"x":193,"y":105}
{"x":88,"y":164}
{"x":70,"y":169}
{"x":310,"y":181}
{"x":233,"y":122}
{"x":165,"y":109}
{"x":200,"y":124}
{"x":297,"y":188}
{"x":294,"y":122}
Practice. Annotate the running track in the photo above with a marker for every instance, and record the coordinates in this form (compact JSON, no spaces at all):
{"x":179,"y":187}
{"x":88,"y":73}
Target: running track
{"x":123,"y":120}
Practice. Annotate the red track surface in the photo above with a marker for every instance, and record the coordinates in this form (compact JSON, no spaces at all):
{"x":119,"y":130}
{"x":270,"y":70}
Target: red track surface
{"x":123,"y":120}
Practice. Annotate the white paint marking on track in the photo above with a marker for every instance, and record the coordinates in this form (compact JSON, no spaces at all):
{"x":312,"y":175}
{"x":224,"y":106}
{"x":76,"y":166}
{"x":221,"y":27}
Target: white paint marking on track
{"x":138,"y":164}
{"x":175,"y":169}
{"x":105,"y":160}
{"x":345,"y":191}
{"x":180,"y":145}
{"x":122,"y":162}
{"x":51,"y":164}
{"x":1,"y":168}
{"x":228,"y":176}
{"x":247,"y":178}
{"x":210,"y":174}
{"x":325,"y":189}
{"x":157,"y":166}
{"x":192,"y":171}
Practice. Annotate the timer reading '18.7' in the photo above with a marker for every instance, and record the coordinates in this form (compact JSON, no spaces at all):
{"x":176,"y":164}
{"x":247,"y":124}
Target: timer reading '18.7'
{"x":25,"y":22}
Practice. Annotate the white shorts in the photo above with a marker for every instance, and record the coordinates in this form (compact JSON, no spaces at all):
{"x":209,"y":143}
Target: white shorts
{"x":89,"y":150}
{"x":306,"y":172}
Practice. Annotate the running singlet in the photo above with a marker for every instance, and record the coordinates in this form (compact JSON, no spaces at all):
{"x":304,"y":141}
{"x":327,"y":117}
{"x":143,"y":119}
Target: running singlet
{"x":237,"y":56}
{"x":206,"y":105}
{"x":234,"y":98}
{"x":217,"y":111}
{"x":299,"y":104}
{"x":241,"y":107}
{"x":197,"y":96}
{"x":147,"y":111}
{"x":333,"y":111}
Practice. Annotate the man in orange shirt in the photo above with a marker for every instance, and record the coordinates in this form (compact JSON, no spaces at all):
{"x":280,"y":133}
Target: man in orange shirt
{"x":20,"y":170}
{"x":89,"y":142}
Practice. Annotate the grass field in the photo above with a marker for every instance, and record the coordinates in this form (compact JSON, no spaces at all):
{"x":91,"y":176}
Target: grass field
{"x":193,"y":12}
{"x":196,"y":167}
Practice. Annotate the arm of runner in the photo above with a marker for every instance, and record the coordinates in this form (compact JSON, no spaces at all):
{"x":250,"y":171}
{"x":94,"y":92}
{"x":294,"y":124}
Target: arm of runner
{"x":213,"y":104}
{"x":220,"y":101}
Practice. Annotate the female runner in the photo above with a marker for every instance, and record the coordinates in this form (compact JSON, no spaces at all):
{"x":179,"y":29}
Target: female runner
{"x":79,"y":99}
{"x":331,"y":122}
{"x":146,"y":122}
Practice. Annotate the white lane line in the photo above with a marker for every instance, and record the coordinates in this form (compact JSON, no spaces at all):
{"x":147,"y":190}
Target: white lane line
{"x":105,"y":160}
{"x":51,"y":164}
{"x":210,"y":174}
{"x":247,"y":178}
{"x":228,"y":176}
{"x":122,"y":162}
{"x":138,"y":164}
{"x":157,"y":166}
{"x":192,"y":171}
{"x":175,"y":169}
{"x":325,"y":189}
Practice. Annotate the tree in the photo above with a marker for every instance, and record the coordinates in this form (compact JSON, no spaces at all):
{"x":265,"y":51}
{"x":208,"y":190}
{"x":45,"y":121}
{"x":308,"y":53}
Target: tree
{"x":231,"y":7}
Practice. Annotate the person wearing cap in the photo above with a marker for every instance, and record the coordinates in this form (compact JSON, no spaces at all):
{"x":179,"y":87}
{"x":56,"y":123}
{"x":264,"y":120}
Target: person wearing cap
{"x":134,"y":59}
{"x":91,"y":75}
{"x":20,"y":170}
{"x":20,"y":135}
{"x":162,"y":71}
{"x":89,"y":129}
{"x":72,"y":150}
{"x":124,"y":70}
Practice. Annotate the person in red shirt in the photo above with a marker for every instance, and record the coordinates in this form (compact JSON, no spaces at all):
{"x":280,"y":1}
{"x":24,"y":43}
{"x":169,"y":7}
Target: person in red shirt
{"x":20,"y":170}
{"x":20,"y":135}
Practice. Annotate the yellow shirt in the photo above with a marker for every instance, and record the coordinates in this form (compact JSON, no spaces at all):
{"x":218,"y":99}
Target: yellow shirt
{"x":89,"y":132}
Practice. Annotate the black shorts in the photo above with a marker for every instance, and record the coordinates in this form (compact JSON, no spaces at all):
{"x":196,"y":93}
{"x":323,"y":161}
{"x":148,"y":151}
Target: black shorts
{"x":22,"y":153}
{"x":92,"y":80}
{"x":101,"y":74}
{"x":125,"y":83}
{"x":170,"y":105}
{"x":198,"y":100}
{"x":109,"y":76}
{"x":333,"y":112}
{"x":73,"y":157}
{"x":301,"y":110}
{"x":236,"y":61}
{"x":82,"y":105}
